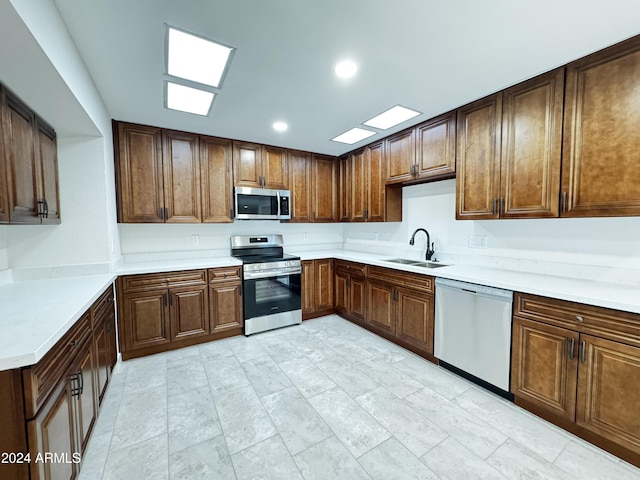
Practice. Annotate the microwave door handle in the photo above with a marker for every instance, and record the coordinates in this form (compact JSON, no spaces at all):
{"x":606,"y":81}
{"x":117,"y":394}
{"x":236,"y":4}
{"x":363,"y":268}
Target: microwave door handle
{"x":278,"y":202}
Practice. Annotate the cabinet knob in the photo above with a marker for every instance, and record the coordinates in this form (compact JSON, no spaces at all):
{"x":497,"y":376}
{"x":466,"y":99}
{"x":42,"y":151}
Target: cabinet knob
{"x":579,"y":318}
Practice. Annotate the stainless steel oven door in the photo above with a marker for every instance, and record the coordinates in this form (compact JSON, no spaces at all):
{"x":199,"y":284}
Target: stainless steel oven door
{"x":268,"y":294}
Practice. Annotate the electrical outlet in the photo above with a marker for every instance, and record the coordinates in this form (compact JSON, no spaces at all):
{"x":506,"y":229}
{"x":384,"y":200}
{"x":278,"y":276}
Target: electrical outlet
{"x":477,"y":241}
{"x":376,"y":236}
{"x":195,"y":239}
{"x":306,"y":236}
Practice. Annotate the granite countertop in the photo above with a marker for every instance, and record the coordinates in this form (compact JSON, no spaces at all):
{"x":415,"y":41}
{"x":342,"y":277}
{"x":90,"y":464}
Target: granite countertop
{"x":36,"y":314}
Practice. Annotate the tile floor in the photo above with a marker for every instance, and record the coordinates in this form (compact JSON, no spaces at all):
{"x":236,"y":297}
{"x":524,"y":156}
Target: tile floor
{"x":324,"y":400}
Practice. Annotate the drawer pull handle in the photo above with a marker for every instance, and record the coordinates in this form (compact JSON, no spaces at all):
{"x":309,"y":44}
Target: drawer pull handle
{"x":73,"y":344}
{"x":572,"y":344}
{"x":579,"y":318}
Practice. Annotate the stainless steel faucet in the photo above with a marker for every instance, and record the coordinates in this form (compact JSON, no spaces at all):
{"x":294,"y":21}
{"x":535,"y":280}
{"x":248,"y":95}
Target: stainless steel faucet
{"x":430,"y":251}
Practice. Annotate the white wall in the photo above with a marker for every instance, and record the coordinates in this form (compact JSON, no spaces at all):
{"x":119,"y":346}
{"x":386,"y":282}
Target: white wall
{"x":213,"y":239}
{"x":606,"y":248}
{"x":4,"y":262}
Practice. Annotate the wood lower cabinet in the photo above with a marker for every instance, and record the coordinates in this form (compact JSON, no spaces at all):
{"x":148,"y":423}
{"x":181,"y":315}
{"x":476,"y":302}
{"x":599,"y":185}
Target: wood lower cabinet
{"x":351,"y":290}
{"x":317,"y":288}
{"x":415,"y":319}
{"x":165,"y":311}
{"x":601,"y":150}
{"x":381,"y":309}
{"x":579,"y":366}
{"x":50,"y":408}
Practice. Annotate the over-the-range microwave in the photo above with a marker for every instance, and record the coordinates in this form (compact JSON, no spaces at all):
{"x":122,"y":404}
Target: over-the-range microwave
{"x":262,"y":204}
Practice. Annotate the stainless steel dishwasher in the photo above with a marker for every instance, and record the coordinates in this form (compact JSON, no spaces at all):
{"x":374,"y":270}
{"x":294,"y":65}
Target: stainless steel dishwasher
{"x":473,"y":330}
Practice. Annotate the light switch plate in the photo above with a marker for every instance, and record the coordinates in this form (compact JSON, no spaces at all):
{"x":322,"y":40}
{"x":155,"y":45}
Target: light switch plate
{"x":477,"y":241}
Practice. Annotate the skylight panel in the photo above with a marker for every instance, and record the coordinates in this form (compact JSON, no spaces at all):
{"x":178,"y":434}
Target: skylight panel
{"x":187,"y":99}
{"x":392,"y":117}
{"x":353,"y":136}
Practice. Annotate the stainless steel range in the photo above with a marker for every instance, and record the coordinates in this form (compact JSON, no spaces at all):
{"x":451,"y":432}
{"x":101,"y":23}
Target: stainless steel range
{"x":271,"y":285}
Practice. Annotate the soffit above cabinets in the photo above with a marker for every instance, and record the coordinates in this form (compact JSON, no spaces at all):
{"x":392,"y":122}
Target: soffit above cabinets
{"x":431,"y":56}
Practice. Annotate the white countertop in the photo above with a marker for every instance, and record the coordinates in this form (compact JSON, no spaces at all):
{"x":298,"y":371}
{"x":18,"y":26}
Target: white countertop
{"x":35,"y":314}
{"x":592,"y":292}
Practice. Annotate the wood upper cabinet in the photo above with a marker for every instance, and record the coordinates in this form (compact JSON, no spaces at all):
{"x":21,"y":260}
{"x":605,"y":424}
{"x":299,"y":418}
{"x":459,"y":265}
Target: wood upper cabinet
{"x":478,"y":158}
{"x":608,"y":390}
{"x":216,"y":173}
{"x":181,"y":164}
{"x":324,"y":189}
{"x":601,"y":150}
{"x":344,"y":188}
{"x":301,"y":168}
{"x":4,"y":184}
{"x":436,"y":147}
{"x":376,"y":178}
{"x":401,"y":157}
{"x":509,"y":147}
{"x":260,"y":166}
{"x":140,"y":176}
{"x":47,"y":173}
{"x":544,"y":366}
{"x":358,"y":186}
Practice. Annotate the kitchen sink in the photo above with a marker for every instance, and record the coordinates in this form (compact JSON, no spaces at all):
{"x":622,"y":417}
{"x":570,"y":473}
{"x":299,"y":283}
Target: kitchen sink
{"x":415,"y":263}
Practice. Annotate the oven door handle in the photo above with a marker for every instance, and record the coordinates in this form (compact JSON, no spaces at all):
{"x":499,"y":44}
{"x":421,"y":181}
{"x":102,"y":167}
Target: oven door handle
{"x":272,"y":274}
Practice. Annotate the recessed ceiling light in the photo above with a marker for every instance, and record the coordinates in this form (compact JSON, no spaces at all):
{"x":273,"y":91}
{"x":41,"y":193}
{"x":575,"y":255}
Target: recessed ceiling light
{"x":195,"y":58}
{"x":280,"y":126}
{"x":187,"y":99}
{"x":392,"y":117}
{"x":346,"y":69}
{"x":353,"y":136}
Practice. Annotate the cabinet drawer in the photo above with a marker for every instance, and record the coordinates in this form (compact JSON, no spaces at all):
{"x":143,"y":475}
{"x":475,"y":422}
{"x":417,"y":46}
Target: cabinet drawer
{"x":357,"y":269}
{"x":400,"y":278}
{"x":41,"y":378}
{"x":599,"y":321}
{"x":225,"y":274}
{"x":102,"y":306}
{"x":133,"y":283}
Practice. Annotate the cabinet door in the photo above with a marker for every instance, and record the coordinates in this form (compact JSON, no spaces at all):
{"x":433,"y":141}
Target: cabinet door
{"x":216,"y":173}
{"x":140,"y":184}
{"x":47,"y":170}
{"x":181,"y":160}
{"x":145,"y":321}
{"x":225,"y":307}
{"x":323,"y":270}
{"x":342,"y":292}
{"x":247,"y":164}
{"x":83,"y":393}
{"x":275,"y":168}
{"x":324,"y":189}
{"x":376,"y":173}
{"x":358,"y":187}
{"x":102,"y":348}
{"x":344,"y":187}
{"x":52,"y":430}
{"x":18,"y":129}
{"x":531,"y":142}
{"x":401,"y":157}
{"x":436,"y":147}
{"x":478,"y":159}
{"x":110,"y":328}
{"x":544,"y":366}
{"x":415,"y":313}
{"x":308,"y":287}
{"x":601,"y":150}
{"x":381,"y":308}
{"x":300,"y":166}
{"x":609,"y":390}
{"x":4,"y":193}
{"x":189,"y":311}
{"x":358,"y":297}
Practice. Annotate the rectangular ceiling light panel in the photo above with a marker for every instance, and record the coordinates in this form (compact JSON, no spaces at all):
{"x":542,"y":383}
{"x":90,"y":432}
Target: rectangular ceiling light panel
{"x":196,"y":59}
{"x":353,"y":136}
{"x":187,"y":99}
{"x":392,"y":117}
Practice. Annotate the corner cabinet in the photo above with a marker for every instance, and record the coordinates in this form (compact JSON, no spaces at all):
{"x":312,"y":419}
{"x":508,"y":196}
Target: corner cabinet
{"x":579,"y":366}
{"x":509,"y":150}
{"x":165,"y":311}
{"x":29,"y":193}
{"x":601,"y":151}
{"x":51,"y":407}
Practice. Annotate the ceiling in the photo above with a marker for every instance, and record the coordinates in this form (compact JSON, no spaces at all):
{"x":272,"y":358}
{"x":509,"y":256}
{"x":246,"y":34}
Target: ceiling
{"x":429,"y":55}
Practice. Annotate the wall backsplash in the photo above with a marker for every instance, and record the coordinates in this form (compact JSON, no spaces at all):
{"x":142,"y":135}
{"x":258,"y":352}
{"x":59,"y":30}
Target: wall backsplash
{"x":600,"y":248}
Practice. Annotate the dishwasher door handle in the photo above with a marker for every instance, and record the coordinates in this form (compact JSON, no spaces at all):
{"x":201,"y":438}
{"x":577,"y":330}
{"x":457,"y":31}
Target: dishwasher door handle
{"x":470,"y":291}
